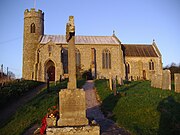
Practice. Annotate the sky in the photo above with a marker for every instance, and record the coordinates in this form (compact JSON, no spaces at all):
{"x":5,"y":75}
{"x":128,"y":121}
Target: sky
{"x":134,"y":21}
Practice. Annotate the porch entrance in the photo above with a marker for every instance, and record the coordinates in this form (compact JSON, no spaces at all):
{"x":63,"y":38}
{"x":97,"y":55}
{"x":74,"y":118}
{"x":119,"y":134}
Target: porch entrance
{"x":50,"y":70}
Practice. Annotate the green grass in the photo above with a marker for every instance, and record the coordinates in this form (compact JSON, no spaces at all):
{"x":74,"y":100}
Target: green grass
{"x":15,"y":89}
{"x":141,"y":109}
{"x":34,"y":110}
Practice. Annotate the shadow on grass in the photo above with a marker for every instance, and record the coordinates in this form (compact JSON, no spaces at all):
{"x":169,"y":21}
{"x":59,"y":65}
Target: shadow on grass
{"x":108,"y":105}
{"x":128,"y":86}
{"x":170,"y":117}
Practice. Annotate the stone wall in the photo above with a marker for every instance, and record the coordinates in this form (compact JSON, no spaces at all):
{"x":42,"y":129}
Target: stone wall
{"x":177,"y":82}
{"x":49,"y":52}
{"x":31,"y":40}
{"x":139,"y":67}
{"x":117,"y":65}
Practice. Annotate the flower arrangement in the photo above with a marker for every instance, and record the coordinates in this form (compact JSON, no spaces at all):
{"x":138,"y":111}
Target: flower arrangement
{"x":52,"y":116}
{"x":53,"y":112}
{"x":50,"y":119}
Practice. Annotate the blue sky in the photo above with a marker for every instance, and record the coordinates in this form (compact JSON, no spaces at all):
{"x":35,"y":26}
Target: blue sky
{"x":134,"y":21}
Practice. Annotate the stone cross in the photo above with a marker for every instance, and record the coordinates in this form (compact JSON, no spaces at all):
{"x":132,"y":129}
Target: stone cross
{"x":70,"y":38}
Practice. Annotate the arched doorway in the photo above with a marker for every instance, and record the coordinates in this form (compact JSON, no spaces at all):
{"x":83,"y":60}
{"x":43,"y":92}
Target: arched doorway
{"x":50,"y":70}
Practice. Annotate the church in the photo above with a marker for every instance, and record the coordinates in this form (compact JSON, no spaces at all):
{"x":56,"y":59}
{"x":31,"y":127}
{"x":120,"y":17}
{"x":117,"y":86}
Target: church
{"x":46,"y":56}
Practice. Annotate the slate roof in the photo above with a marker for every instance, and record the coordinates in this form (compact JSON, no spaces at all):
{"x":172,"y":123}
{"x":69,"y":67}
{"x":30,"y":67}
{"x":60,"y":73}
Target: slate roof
{"x":61,"y":39}
{"x":133,"y":50}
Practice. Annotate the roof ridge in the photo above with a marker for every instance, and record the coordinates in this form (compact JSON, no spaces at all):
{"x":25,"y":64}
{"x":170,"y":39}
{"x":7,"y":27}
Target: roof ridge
{"x":76,"y":35}
{"x":138,"y":44}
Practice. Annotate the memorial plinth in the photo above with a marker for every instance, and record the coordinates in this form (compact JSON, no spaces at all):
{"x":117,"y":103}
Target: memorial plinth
{"x":72,"y":108}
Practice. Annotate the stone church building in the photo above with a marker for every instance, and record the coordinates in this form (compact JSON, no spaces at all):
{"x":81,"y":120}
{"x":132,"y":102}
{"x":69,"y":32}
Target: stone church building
{"x":45,"y":56}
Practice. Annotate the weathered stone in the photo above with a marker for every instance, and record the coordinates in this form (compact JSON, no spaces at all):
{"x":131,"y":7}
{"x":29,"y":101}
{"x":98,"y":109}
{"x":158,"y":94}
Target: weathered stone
{"x":93,"y":63}
{"x":70,"y":37}
{"x":158,"y":81}
{"x":72,"y":108}
{"x":80,"y":130}
{"x":153,"y":80}
{"x":114,"y":87}
{"x":110,"y":83}
{"x":51,"y":122}
{"x":177,"y":82}
{"x":166,"y":80}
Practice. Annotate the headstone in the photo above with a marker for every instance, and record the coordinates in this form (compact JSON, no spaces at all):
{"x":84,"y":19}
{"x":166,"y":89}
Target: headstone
{"x":110,"y":83}
{"x":114,"y":87}
{"x":120,"y":80}
{"x":177,"y":82}
{"x":153,"y":80}
{"x":166,"y":80}
{"x":158,"y":81}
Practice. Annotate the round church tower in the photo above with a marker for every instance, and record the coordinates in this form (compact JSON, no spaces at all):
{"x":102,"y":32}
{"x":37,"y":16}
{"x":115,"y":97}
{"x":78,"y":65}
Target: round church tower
{"x":33,"y":29}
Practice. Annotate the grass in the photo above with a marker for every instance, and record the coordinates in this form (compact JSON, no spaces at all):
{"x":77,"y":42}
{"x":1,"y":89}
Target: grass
{"x":15,"y":89}
{"x":141,"y":109}
{"x":33,"y":111}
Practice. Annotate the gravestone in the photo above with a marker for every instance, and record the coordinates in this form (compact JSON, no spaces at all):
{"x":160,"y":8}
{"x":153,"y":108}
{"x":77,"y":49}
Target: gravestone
{"x":120,"y":80}
{"x":110,"y":83}
{"x":177,"y":82}
{"x":158,"y":81}
{"x":153,"y":80}
{"x":114,"y":87}
{"x":166,"y":80}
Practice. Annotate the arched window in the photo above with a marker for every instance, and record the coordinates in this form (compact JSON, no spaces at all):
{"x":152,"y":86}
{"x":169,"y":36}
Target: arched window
{"x":151,"y":65}
{"x":106,"y":59}
{"x":127,"y":68}
{"x":33,"y":28}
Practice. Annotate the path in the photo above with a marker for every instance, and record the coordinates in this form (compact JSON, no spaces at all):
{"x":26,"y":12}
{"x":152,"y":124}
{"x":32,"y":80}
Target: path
{"x":11,"y":109}
{"x":108,"y":127}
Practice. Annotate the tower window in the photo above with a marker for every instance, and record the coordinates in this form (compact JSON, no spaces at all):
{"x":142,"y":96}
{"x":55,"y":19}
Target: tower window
{"x":33,"y":28}
{"x":106,"y":59}
{"x":151,"y":65}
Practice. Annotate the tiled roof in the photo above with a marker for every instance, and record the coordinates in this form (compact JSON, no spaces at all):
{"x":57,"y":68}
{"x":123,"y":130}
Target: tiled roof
{"x":61,"y":39}
{"x":133,"y":50}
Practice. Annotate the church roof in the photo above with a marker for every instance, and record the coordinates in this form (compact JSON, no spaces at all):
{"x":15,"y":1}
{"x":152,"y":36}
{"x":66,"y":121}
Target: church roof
{"x":134,"y":50}
{"x":61,"y":39}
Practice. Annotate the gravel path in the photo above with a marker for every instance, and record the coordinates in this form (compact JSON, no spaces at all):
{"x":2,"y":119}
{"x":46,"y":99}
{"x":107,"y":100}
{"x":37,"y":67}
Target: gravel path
{"x":11,"y":109}
{"x":108,"y":127}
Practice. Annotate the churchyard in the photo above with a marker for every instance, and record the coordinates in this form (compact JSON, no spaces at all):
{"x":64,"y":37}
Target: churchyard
{"x":137,"y":107}
{"x":141,"y":109}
